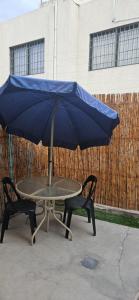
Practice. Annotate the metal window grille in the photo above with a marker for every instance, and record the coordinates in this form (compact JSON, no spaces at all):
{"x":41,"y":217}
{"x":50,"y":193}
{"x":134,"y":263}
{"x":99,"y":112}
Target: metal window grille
{"x":115,"y":47}
{"x":27,"y":59}
{"x":102,"y":50}
{"x":128,"y":45}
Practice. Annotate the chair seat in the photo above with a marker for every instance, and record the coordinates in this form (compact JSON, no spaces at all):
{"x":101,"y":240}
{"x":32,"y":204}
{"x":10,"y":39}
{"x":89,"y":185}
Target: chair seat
{"x":22,"y":206}
{"x":14,"y":204}
{"x":77,"y":202}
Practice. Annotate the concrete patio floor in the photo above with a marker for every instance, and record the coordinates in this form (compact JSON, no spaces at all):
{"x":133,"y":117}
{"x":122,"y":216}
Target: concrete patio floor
{"x":105,"y":267}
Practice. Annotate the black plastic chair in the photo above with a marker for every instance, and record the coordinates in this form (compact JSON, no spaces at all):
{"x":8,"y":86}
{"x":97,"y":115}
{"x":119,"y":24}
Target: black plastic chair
{"x":14,"y":204}
{"x":86,"y":202}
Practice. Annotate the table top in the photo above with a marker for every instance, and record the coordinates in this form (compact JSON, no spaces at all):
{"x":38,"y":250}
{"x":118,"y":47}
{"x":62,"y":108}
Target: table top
{"x":37,"y":188}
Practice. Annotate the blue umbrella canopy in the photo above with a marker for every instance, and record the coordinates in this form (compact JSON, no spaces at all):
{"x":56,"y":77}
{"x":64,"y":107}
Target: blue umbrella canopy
{"x":57,"y":113}
{"x":27,"y":106}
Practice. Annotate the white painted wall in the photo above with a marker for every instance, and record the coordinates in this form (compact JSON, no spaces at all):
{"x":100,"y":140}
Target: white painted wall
{"x":70,"y":25}
{"x":26,"y":28}
{"x":67,"y":40}
{"x":98,"y":15}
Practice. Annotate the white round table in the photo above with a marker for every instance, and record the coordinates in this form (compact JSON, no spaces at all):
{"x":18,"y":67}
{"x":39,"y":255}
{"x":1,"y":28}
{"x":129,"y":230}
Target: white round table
{"x":37,"y":188}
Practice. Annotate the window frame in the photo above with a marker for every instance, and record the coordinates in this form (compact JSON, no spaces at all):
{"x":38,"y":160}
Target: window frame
{"x":28,"y":58}
{"x":117,"y":31}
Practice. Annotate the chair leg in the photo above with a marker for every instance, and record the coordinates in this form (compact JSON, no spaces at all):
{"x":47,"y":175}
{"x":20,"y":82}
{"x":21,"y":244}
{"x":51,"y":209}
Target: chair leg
{"x":7,"y":221}
{"x":31,"y":218}
{"x":4,"y":225}
{"x":93,"y":219}
{"x":68,"y":223}
{"x":88,"y":215}
{"x":64,"y":216}
{"x":35,"y":221}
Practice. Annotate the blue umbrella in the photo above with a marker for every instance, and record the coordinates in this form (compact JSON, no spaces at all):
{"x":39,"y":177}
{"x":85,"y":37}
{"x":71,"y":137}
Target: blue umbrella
{"x":57,"y":113}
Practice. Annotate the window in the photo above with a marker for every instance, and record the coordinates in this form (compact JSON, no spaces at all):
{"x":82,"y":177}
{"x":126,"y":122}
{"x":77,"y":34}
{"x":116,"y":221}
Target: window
{"x":115,"y":47}
{"x":27,"y":59}
{"x":128,"y":45}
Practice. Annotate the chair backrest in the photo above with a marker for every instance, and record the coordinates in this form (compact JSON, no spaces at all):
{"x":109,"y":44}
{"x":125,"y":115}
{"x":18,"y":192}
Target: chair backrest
{"x":90,"y":182}
{"x":9,"y":190}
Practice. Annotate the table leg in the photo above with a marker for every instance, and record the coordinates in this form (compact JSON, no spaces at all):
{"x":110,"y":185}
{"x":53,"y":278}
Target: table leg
{"x":48,"y":219}
{"x":53,"y":212}
{"x":40,"y":224}
{"x":64,"y":225}
{"x":59,"y":213}
{"x":50,"y":208}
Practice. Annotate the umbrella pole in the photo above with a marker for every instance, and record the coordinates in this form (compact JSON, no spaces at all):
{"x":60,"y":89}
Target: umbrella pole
{"x":50,"y":151}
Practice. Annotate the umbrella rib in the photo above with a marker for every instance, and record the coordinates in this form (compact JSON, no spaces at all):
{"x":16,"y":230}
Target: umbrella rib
{"x":50,"y":116}
{"x":25,"y":110}
{"x":88,"y":116}
{"x":71,"y":120}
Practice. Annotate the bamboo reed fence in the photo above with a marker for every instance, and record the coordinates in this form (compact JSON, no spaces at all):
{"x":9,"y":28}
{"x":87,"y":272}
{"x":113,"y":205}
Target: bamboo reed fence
{"x":116,"y":166}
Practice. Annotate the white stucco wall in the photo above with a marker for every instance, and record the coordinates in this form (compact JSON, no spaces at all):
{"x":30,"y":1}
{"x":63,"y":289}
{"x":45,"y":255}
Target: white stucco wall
{"x":47,"y":22}
{"x":69,"y":25}
{"x":67,"y":40}
{"x":26,"y":28}
{"x":98,"y":15}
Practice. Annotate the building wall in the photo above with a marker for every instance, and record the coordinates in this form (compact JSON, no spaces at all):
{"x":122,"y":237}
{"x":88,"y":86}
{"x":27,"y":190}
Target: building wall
{"x":57,"y":24}
{"x":26,"y":28}
{"x":99,"y":15}
{"x":66,"y":27}
{"x":67,"y":40}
